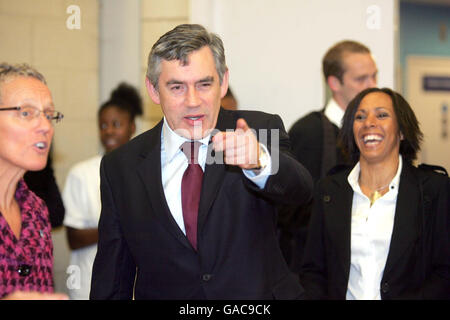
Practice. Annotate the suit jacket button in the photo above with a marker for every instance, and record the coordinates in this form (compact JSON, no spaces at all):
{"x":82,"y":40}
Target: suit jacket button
{"x":206,"y":277}
{"x":385,"y":287}
{"x":24,"y":270}
{"x":326,"y":198}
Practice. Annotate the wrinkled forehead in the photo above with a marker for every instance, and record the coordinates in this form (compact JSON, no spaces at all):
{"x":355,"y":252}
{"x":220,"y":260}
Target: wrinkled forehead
{"x":200,"y":64}
{"x":20,"y":89}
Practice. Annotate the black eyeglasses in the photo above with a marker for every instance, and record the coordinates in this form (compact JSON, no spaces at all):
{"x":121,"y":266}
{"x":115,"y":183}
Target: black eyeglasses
{"x":29,"y":113}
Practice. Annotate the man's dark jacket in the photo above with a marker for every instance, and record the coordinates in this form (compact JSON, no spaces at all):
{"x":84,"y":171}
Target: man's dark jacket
{"x":142,"y":251}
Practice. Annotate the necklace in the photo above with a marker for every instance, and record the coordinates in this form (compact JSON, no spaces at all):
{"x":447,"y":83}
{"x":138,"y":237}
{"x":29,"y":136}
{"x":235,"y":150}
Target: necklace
{"x":377,"y":194}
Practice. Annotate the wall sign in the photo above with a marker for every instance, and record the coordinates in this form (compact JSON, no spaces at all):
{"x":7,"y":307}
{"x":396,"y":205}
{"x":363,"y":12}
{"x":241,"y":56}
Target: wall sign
{"x":436,"y":83}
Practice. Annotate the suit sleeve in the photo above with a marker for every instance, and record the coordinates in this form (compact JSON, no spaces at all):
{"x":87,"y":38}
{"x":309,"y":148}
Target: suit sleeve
{"x":114,"y":270}
{"x":313,"y":272}
{"x":307,"y":143}
{"x":437,"y":285}
{"x":290,"y":182}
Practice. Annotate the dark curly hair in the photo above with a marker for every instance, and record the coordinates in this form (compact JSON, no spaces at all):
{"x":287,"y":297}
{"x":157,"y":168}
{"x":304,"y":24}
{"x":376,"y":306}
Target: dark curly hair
{"x":406,"y":119}
{"x":126,"y":98}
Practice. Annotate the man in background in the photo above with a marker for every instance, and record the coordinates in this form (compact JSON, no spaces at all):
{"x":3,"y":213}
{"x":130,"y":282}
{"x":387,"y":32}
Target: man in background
{"x":348,"y":68}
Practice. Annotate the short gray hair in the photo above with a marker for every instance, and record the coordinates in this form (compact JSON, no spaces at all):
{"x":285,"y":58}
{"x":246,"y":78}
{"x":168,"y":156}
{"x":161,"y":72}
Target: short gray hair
{"x":178,"y":43}
{"x":8,"y":71}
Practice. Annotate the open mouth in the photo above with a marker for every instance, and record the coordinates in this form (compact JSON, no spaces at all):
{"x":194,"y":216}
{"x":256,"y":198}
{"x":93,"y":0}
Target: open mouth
{"x":372,"y":139}
{"x":110,"y":142}
{"x":41,"y":145}
{"x":194,"y":118}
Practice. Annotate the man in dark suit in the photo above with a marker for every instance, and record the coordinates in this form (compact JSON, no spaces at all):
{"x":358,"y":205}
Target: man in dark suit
{"x":348,"y":68}
{"x":215,"y":238}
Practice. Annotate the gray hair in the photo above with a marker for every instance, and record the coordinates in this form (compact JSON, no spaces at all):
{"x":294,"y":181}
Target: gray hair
{"x":8,"y":71}
{"x":178,"y":43}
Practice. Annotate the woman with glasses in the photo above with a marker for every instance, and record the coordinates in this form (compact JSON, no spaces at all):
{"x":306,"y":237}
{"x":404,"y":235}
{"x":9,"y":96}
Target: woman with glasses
{"x":380,"y":230}
{"x":27,"y":116}
{"x":81,"y":193}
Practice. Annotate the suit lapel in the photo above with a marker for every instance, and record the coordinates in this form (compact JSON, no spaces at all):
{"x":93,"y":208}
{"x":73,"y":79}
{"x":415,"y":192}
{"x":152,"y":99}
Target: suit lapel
{"x":214,"y":170}
{"x":337,"y":208}
{"x":406,"y":226}
{"x":149,"y":170}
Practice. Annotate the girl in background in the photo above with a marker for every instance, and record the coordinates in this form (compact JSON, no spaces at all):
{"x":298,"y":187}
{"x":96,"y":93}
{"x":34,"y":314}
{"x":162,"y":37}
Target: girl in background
{"x":81,"y":195}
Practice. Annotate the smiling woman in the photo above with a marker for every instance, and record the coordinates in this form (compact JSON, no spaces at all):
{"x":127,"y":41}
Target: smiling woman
{"x":389,"y":219}
{"x":387,"y":104}
{"x":26,"y":131}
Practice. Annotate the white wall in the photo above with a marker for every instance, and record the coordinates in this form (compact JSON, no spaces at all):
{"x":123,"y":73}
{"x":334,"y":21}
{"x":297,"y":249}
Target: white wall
{"x":120,"y":40}
{"x":274,"y":48}
{"x":156,"y":18}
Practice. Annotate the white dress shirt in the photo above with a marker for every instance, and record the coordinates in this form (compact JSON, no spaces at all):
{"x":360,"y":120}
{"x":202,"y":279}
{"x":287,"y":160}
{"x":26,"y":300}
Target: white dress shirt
{"x":174,"y":163}
{"x":334,"y":112}
{"x":371,"y":231}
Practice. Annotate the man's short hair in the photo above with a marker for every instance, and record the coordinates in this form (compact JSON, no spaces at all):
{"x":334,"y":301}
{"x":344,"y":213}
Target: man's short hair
{"x":332,"y":62}
{"x":178,"y":43}
{"x":9,"y":71}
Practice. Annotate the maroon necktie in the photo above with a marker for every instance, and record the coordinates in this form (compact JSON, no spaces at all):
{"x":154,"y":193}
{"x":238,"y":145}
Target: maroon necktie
{"x":191,"y":186}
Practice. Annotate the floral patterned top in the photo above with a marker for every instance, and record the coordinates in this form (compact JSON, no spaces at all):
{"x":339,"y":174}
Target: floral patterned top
{"x":27,"y":263}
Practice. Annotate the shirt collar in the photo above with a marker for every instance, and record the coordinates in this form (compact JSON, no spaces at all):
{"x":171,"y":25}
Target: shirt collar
{"x":353,"y":177}
{"x":172,"y":141}
{"x":334,"y":113}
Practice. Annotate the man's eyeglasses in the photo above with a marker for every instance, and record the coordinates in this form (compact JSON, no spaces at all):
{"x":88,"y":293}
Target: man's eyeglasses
{"x":29,"y":113}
